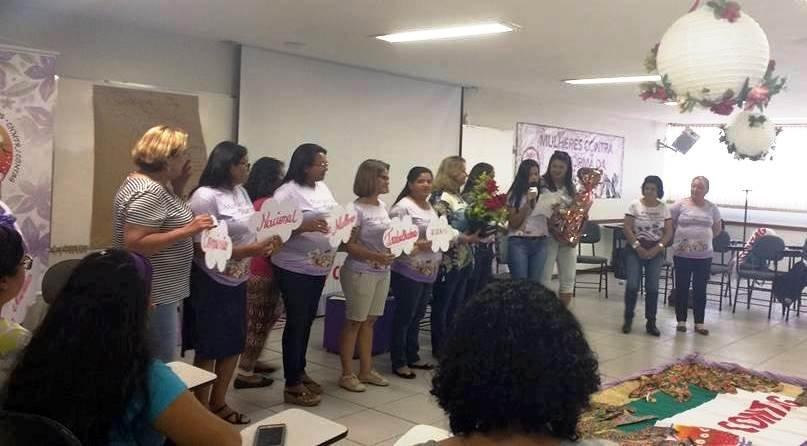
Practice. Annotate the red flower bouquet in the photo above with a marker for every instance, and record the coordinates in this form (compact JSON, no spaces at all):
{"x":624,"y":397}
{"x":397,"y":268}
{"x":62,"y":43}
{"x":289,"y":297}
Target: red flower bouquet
{"x":487,"y":208}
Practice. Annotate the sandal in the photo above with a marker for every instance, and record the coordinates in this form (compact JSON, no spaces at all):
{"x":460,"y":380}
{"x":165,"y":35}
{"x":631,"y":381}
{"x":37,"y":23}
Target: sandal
{"x":304,"y":398}
{"x":233,"y":417}
{"x":313,"y":386}
{"x":423,"y":366}
{"x":240,"y":383}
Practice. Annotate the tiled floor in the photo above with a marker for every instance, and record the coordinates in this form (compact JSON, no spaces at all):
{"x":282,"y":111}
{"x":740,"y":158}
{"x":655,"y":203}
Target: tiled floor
{"x":381,"y":415}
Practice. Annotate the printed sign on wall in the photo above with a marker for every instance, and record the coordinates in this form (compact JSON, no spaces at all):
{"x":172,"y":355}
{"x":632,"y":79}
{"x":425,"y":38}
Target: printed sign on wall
{"x":586,"y":149}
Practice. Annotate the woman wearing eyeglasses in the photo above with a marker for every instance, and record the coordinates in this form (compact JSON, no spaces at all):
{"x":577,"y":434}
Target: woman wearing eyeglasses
{"x":215,"y":314}
{"x":13,"y":265}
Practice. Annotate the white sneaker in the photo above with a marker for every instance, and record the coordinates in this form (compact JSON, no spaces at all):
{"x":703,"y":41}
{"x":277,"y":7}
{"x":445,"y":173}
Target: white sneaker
{"x":351,"y":383}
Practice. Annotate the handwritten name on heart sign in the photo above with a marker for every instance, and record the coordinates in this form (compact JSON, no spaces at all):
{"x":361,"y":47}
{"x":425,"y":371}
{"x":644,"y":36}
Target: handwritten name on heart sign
{"x":217,"y":246}
{"x":401,"y":235}
{"x":341,"y":221}
{"x":278,"y":218}
{"x":440,"y":233}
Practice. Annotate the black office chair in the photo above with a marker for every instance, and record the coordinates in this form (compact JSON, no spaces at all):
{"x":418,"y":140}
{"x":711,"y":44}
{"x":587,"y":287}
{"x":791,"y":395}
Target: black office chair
{"x":591,"y":236}
{"x":22,"y":429}
{"x":722,"y":246}
{"x":55,"y":279}
{"x":768,"y":250}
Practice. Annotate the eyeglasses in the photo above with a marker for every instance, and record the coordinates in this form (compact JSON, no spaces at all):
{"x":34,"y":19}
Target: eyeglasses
{"x":246,"y":164}
{"x":27,"y":262}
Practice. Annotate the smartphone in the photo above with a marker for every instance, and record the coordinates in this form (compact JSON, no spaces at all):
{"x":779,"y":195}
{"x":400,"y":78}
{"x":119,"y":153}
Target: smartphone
{"x":270,"y":435}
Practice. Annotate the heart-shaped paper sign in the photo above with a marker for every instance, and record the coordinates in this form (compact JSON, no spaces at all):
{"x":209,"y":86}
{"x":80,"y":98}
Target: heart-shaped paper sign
{"x":401,"y":235}
{"x":440,"y":233}
{"x":217,"y":246}
{"x":341,"y":221}
{"x":278,"y":218}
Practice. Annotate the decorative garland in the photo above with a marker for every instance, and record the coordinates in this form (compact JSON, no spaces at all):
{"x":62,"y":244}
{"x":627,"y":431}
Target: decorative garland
{"x":748,"y":98}
{"x":753,"y":122}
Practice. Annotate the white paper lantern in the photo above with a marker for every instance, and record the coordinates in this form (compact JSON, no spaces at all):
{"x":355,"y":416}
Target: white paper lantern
{"x":752,"y":142}
{"x":701,"y":52}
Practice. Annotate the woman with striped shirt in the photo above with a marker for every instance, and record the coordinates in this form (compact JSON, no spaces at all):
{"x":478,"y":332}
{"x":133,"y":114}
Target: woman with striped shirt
{"x":152,"y":219}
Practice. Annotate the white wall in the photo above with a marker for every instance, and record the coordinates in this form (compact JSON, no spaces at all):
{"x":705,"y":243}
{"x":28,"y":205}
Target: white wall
{"x":102,"y":50}
{"x":354,"y":113}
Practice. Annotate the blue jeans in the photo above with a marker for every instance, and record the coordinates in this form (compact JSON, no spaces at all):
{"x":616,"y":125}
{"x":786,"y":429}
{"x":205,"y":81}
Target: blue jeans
{"x":526,"y":257}
{"x":411,"y":300}
{"x":448,"y":298}
{"x":633,"y":269}
{"x":163,"y":330}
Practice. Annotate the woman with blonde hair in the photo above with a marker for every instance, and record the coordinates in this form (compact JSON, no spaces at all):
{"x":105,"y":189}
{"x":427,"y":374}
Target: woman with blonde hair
{"x":152,"y":219}
{"x":365,"y":276}
{"x":457,"y":264}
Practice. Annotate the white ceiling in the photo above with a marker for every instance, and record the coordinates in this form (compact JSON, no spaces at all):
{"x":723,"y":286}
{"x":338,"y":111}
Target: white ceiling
{"x":559,"y":39}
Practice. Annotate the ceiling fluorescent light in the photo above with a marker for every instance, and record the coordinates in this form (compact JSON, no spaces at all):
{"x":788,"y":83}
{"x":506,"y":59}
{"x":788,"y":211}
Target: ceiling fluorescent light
{"x":614,"y":80}
{"x":447,"y":33}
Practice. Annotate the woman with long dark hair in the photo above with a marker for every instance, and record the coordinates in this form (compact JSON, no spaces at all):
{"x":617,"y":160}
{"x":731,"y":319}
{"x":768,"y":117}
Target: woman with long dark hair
{"x":557,"y":193}
{"x":527,"y":231}
{"x":89,"y":366}
{"x":215,"y":316}
{"x":302,"y":265}
{"x":263,"y":296}
{"x":14,"y":263}
{"x":483,"y":254}
{"x":413,"y":275}
{"x":457,"y":264}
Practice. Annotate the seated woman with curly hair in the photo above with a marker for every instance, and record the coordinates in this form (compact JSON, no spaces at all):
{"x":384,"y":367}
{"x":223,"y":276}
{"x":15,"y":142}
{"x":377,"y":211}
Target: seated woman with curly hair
{"x":516,"y":370}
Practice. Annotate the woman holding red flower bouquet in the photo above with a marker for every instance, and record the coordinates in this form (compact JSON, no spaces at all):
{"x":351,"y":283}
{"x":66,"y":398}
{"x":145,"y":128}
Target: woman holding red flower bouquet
{"x":452,"y":281}
{"x":483,"y":251}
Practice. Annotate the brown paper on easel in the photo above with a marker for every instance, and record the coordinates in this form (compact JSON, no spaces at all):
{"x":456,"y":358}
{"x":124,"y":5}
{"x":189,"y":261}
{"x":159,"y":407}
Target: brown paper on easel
{"x":122,"y":115}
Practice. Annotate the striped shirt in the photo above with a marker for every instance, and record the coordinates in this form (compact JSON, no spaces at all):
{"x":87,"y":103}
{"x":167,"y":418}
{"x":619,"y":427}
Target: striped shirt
{"x":144,"y":202}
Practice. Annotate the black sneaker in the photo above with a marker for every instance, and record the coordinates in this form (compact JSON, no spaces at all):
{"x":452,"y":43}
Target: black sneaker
{"x":626,"y":326}
{"x":652,"y":329}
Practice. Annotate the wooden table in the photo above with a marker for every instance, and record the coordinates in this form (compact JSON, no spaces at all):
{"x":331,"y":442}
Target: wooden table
{"x":302,"y":428}
{"x":193,"y":377}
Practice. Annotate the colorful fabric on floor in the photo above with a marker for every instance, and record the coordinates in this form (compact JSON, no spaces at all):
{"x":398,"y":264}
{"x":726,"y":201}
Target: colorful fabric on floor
{"x":695,"y":401}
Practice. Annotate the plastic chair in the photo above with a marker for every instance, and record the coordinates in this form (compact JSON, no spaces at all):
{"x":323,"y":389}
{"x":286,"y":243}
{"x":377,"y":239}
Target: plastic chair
{"x":768,"y":249}
{"x":22,"y":429}
{"x":591,"y":236}
{"x":721,"y":245}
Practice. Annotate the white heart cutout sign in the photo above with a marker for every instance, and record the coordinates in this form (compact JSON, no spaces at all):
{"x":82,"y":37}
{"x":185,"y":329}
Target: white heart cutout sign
{"x":278,"y":218}
{"x":401,"y":236}
{"x":217,"y":246}
{"x":440,"y":233}
{"x":341,"y":221}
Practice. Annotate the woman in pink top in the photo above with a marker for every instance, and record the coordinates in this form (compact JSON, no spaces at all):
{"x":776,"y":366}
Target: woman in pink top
{"x":264,"y":306}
